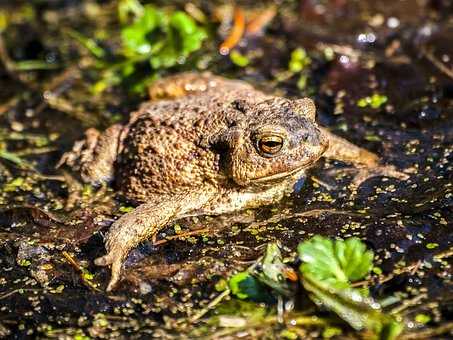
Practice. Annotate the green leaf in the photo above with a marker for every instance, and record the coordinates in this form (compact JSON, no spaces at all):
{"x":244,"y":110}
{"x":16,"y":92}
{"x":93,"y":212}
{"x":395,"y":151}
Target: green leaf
{"x":299,"y":60}
{"x":15,"y":184}
{"x":135,"y":36}
{"x":167,"y":38}
{"x":354,"y":258}
{"x":167,"y":56}
{"x":302,"y":82}
{"x":152,"y":40}
{"x":190,"y":35}
{"x":127,"y":7}
{"x":239,"y":59}
{"x":432,"y":245}
{"x":375,"y":101}
{"x":327,"y":271}
{"x":359,"y":311}
{"x":3,"y":21}
{"x":253,"y":312}
{"x":90,"y":44}
{"x":422,"y":318}
{"x":335,"y":261}
{"x":12,"y":157}
{"x":33,"y":65}
{"x":245,"y":286}
{"x":266,"y":272}
{"x":221,"y":285}
{"x":182,"y":37}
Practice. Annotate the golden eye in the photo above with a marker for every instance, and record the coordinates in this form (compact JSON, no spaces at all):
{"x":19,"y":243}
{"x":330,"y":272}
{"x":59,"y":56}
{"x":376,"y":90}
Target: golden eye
{"x":270,"y":145}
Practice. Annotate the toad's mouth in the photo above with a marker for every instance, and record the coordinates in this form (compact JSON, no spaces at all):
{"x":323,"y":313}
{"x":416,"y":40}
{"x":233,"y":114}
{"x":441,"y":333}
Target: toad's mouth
{"x":281,"y":175}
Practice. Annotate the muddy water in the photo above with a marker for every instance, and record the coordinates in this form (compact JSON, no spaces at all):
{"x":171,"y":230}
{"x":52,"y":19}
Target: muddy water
{"x":398,"y":50}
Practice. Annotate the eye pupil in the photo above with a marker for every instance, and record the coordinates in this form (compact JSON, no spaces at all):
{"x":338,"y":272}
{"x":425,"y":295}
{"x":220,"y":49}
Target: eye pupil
{"x":271,"y":144}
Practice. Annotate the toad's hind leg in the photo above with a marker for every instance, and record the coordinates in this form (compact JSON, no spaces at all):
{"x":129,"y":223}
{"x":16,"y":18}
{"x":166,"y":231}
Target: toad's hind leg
{"x":342,"y":150}
{"x":368,"y":163}
{"x":188,"y":83}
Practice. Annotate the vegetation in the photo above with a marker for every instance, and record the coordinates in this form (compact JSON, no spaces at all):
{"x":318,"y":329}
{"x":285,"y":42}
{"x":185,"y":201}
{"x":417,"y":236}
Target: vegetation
{"x":327,"y":273}
{"x":152,"y":40}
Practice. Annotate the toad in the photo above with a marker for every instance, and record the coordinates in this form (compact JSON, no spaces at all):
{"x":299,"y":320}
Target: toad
{"x":204,"y":144}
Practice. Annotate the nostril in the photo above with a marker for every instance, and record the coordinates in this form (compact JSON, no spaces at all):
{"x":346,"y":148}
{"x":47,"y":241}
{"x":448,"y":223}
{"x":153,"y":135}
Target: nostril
{"x":313,"y":139}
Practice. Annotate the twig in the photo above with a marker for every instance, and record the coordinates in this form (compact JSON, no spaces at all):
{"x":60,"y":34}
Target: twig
{"x":6,"y":295}
{"x":444,"y":254}
{"x":58,"y":85}
{"x":261,"y":20}
{"x":82,"y":271}
{"x":8,"y":105}
{"x":6,"y":59}
{"x":408,"y":269}
{"x":417,"y":266}
{"x":429,"y":333}
{"x":310,"y":213}
{"x":67,"y":107}
{"x":214,"y":302}
{"x":10,"y":65}
{"x":346,"y":50}
{"x":299,"y":321}
{"x":15,"y":291}
{"x":35,"y":151}
{"x":437,"y":63}
{"x":408,"y":303}
{"x":50,"y":177}
{"x":195,"y":13}
{"x":322,"y":183}
{"x":179,"y":236}
{"x":236,"y":32}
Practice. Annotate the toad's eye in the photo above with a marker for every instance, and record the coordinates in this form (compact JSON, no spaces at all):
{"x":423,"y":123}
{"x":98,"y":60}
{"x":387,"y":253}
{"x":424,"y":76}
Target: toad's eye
{"x":270,"y":145}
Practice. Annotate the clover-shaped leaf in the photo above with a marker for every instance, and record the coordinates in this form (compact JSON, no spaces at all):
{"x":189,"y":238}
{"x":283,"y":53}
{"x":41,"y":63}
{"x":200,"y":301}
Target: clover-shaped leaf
{"x":336,"y":261}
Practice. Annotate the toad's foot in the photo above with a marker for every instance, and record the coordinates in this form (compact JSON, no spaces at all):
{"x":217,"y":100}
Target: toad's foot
{"x":142,"y":223}
{"x":95,"y":155}
{"x":131,"y":229}
{"x":367,"y":164}
{"x":82,"y":151}
{"x":361,"y":174}
{"x":381,"y":170}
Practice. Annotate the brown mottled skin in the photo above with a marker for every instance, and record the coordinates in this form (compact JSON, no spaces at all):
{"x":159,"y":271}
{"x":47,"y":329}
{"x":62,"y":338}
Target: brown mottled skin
{"x":205,"y":145}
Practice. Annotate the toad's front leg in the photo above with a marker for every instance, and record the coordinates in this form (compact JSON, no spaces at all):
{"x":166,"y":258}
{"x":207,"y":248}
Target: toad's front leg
{"x":142,"y":223}
{"x":95,"y":155}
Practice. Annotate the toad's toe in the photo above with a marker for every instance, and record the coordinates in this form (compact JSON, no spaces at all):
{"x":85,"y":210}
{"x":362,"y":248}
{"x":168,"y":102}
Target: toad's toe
{"x":116,"y":260}
{"x":105,"y":260}
{"x":116,"y":274}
